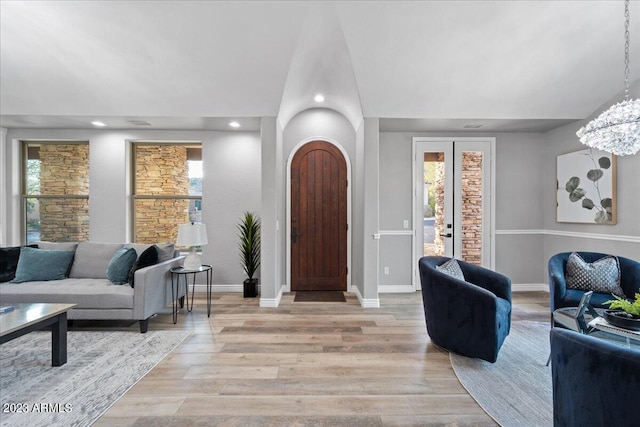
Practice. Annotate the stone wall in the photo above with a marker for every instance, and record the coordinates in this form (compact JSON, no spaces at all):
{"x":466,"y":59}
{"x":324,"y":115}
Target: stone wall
{"x":472,"y":207}
{"x":439,"y":210}
{"x":160,"y":170}
{"x":64,"y":170}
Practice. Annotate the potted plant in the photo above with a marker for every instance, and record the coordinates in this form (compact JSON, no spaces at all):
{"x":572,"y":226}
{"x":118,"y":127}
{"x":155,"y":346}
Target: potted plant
{"x":624,"y":313}
{"x":249,"y":235}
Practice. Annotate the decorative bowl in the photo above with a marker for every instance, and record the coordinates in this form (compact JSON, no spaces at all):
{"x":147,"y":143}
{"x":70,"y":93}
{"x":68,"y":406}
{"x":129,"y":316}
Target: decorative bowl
{"x":622,"y":320}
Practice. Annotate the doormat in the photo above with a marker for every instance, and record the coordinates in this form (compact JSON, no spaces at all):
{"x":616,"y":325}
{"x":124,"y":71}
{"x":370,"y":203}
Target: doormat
{"x":319,"y":296}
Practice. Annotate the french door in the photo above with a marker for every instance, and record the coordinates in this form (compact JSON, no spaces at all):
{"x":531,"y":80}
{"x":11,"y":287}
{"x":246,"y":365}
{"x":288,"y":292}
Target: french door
{"x":453,"y":212}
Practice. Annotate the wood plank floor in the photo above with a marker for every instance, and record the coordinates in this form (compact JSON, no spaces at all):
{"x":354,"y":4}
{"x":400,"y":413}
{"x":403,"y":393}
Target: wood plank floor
{"x":315,"y":364}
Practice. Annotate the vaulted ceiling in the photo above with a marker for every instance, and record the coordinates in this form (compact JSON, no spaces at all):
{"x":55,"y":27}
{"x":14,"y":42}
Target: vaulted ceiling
{"x":197,"y":64}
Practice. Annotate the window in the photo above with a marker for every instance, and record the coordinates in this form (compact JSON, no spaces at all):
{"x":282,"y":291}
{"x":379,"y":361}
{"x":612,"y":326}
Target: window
{"x":167,"y":189}
{"x":55,"y":191}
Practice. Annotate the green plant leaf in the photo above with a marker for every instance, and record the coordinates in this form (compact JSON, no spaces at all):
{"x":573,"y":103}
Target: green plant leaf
{"x":572,"y":184}
{"x":587,"y":203}
{"x":577,"y":194}
{"x":249,"y":235}
{"x":595,"y":174}
{"x":604,"y":162}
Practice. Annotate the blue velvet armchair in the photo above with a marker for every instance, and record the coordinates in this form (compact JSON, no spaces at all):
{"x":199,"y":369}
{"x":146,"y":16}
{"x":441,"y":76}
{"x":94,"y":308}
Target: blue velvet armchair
{"x":561,"y":296}
{"x":471,"y":318}
{"x":595,"y":382}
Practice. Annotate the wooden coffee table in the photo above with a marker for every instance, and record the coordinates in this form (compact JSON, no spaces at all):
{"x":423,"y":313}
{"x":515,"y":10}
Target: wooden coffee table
{"x":27,"y":318}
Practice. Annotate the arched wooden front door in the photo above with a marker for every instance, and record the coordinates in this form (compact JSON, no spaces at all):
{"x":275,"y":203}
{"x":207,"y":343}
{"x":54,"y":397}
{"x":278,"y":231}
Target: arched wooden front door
{"x":318,"y":218}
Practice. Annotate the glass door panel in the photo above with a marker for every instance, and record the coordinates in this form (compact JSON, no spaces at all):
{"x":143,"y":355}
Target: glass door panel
{"x":453,"y":200}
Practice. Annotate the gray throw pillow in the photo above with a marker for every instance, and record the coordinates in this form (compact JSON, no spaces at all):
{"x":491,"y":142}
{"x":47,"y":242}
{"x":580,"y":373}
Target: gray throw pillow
{"x":39,"y":264}
{"x":120,"y":265}
{"x":602,"y":275}
{"x":451,"y":268}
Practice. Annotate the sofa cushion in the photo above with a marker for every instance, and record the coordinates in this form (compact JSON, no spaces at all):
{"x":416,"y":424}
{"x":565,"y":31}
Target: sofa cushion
{"x":148,"y":257}
{"x":87,"y":293}
{"x":92,"y":259}
{"x":451,"y":268}
{"x":9,"y":262}
{"x":38,"y":264}
{"x":602,"y":275}
{"x":57,"y":246}
{"x":165,"y":251}
{"x":120,"y":265}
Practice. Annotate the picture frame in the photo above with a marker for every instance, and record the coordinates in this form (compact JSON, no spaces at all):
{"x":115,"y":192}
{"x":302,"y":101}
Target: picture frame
{"x":586,"y":187}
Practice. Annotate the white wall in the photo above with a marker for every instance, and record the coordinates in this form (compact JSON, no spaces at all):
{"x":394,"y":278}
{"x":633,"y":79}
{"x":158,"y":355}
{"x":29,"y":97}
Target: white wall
{"x":231,"y":185}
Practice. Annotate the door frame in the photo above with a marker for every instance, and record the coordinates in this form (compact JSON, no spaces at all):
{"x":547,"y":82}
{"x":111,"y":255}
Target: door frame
{"x":288,"y":207}
{"x":417,"y":201}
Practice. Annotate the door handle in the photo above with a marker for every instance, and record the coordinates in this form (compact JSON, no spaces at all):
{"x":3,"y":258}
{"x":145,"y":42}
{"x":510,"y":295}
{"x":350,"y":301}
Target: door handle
{"x":295,"y":235}
{"x":446,"y":235}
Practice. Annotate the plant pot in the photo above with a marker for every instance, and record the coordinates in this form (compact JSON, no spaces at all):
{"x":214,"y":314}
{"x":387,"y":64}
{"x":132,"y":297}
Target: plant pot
{"x":622,"y":320}
{"x":250,"y":287}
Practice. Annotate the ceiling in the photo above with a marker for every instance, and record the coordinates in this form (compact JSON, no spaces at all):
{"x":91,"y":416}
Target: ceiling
{"x":417,"y":65}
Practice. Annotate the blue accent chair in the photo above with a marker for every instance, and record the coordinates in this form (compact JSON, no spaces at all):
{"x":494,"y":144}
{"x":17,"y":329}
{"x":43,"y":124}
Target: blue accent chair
{"x":595,"y":382}
{"x":563,"y":297}
{"x":471,"y":318}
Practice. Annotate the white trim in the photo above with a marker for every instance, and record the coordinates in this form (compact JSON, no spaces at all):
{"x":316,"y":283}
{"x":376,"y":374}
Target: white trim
{"x":366,"y":303}
{"x":287,"y":286}
{"x":527,"y":287}
{"x":202,"y":288}
{"x":3,"y":186}
{"x":272,"y":302}
{"x":395,"y":233}
{"x":576,"y":234}
{"x":395,"y":289}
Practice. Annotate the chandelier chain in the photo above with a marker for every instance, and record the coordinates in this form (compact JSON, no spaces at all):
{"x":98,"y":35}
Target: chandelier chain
{"x":626,"y":50}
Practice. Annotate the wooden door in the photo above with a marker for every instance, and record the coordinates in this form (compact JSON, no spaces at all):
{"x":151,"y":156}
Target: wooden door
{"x":318,"y":218}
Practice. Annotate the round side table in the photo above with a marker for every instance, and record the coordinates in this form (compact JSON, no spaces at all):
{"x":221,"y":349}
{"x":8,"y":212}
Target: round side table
{"x":177,"y":273}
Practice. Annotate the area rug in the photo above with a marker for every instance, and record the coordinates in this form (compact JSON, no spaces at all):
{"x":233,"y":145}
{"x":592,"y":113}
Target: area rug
{"x":101,"y":366}
{"x":319,"y":296}
{"x":516,"y":390}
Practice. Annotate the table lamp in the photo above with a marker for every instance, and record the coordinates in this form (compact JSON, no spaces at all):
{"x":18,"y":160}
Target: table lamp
{"x":192,"y":235}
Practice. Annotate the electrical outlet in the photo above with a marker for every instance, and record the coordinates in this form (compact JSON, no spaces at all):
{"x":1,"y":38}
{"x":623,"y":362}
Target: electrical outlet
{"x":386,"y":271}
{"x":405,"y":223}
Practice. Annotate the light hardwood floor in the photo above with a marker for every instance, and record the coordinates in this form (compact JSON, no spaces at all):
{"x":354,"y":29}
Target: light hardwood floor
{"x":305,"y":364}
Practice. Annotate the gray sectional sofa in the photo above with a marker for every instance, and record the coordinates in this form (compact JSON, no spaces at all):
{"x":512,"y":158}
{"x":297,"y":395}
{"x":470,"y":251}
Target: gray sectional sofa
{"x":98,"y":298}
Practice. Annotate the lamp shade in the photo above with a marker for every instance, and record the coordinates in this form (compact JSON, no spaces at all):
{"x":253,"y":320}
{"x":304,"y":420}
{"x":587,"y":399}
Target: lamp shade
{"x":192,"y":235}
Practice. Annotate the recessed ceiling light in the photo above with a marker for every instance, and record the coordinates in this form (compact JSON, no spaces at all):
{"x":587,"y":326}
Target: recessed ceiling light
{"x":234,"y":124}
{"x":319,"y":98}
{"x":99,"y":124}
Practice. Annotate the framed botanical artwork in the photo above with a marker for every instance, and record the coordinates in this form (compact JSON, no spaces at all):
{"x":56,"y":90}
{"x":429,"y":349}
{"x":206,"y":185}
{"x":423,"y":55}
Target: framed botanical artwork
{"x":586,"y":187}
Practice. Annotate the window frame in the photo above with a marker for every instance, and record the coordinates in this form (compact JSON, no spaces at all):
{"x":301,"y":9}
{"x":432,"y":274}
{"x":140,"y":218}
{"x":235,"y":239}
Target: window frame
{"x":24,"y":196}
{"x":133,"y":181}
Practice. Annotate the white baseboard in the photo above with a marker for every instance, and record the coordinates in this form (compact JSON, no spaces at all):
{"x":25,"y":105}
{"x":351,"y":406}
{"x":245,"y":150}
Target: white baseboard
{"x":365,"y":303}
{"x":201,"y":287}
{"x":272,"y":302}
{"x":527,"y":287}
{"x":395,"y":289}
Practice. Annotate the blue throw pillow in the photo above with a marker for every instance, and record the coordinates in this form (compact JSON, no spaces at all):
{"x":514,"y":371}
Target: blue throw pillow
{"x":9,"y":262}
{"x":38,"y":264}
{"x":120,"y":265}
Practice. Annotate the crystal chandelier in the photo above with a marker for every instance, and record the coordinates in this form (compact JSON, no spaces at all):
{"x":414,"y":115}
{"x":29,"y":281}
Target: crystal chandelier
{"x":616,"y":130}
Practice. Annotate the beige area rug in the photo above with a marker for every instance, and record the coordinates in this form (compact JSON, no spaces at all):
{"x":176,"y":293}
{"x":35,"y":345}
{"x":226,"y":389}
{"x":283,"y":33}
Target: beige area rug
{"x":516,"y":390}
{"x":101,"y":366}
